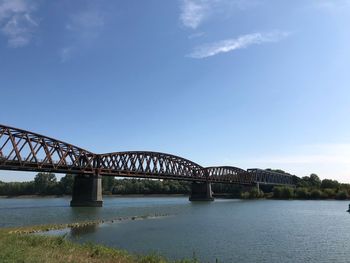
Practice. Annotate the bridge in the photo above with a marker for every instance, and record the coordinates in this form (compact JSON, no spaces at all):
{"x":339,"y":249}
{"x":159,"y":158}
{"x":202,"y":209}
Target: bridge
{"x":22,"y":150}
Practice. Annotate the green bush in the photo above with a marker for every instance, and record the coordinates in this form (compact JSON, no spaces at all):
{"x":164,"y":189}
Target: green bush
{"x":245,"y":195}
{"x":316,"y":194}
{"x":302,"y":193}
{"x":329,"y":193}
{"x":283,"y":192}
{"x":255,"y":193}
{"x":342,"y":195}
{"x":277,"y":192}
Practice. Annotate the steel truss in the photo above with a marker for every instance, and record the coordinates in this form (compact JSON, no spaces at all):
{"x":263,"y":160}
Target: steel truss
{"x":22,"y":150}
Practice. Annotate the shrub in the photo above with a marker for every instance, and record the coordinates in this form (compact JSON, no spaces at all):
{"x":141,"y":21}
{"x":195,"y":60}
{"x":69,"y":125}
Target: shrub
{"x":245,"y":195}
{"x":283,"y":192}
{"x":341,"y":195}
{"x":277,"y":192}
{"x":255,"y":193}
{"x":302,"y":193}
{"x":329,"y":193}
{"x":316,"y":194}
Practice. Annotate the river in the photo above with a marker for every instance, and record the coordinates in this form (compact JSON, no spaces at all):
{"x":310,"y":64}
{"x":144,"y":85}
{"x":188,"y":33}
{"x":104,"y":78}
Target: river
{"x":226,"y":230}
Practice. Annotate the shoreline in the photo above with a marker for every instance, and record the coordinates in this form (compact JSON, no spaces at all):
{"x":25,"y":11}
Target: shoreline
{"x":46,"y":228}
{"x":217,"y":196}
{"x":23,"y":245}
{"x":108,"y":195}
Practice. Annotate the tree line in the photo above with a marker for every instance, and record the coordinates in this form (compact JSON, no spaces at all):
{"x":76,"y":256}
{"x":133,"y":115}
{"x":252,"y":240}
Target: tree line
{"x":47,"y":184}
{"x":43,"y":184}
{"x":308,"y":187}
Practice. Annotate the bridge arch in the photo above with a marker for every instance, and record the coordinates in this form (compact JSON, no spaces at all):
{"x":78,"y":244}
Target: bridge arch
{"x":28,"y":151}
{"x":150,"y":165}
{"x":229,"y":174}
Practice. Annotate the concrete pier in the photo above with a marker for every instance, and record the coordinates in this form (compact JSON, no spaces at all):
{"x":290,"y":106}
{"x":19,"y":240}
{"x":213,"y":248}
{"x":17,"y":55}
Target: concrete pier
{"x":87,"y":191}
{"x":201,"y":192}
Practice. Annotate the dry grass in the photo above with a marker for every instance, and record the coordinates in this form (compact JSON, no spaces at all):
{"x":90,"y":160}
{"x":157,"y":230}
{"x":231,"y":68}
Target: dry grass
{"x":18,"y":247}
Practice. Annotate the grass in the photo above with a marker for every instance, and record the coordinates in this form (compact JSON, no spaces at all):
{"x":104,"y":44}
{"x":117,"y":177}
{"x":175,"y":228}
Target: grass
{"x":16,"y":246}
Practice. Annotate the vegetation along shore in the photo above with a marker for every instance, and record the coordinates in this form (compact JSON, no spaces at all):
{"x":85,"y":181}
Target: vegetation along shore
{"x":308,"y":187}
{"x":16,"y":245}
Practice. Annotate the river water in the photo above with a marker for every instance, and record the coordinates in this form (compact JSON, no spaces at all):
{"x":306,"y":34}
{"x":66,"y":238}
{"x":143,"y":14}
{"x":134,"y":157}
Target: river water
{"x":226,"y":230}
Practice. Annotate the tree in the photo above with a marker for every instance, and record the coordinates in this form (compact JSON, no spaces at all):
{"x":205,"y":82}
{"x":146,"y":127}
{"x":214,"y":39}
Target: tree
{"x":329,"y":192}
{"x":341,"y":195}
{"x":315,"y":181}
{"x":44,"y":183}
{"x":108,"y":184}
{"x":331,"y":184}
{"x":283,"y":192}
{"x":316,"y":194}
{"x":302,"y":193}
{"x":66,"y":184}
{"x":312,"y":181}
{"x":255,"y":193}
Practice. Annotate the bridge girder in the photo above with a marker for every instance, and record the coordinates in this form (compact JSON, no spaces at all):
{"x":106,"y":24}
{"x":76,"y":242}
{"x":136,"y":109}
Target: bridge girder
{"x":27,"y":151}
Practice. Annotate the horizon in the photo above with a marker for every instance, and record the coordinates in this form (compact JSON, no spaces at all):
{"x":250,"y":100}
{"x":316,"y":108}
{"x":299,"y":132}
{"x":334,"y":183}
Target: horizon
{"x":251,"y":84}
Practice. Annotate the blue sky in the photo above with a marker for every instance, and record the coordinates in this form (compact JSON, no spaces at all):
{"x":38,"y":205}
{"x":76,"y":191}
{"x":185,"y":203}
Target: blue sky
{"x":253,"y":83}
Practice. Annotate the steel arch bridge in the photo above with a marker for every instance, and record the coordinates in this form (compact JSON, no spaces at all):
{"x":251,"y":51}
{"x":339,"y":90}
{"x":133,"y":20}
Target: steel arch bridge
{"x":23,"y":150}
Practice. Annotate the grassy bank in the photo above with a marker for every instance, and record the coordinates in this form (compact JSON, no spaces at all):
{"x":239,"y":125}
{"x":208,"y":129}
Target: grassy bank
{"x":18,"y":247}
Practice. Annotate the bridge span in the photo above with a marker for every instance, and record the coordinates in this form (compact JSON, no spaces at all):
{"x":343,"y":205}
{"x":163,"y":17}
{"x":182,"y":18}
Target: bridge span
{"x":22,"y":150}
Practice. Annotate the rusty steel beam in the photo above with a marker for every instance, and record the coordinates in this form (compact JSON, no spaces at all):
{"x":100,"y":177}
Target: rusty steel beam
{"x":23,"y":150}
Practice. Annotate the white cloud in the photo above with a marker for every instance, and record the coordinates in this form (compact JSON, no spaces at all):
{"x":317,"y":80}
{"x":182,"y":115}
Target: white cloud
{"x":224,"y":46}
{"x":16,"y":21}
{"x":193,"y":12}
{"x":85,"y":21}
{"x":66,"y":53}
{"x":84,"y":27}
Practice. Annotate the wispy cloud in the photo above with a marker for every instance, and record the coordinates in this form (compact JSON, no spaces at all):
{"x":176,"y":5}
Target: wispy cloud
{"x":17,"y":22}
{"x":224,"y":46}
{"x":84,"y":27}
{"x":193,"y":12}
{"x":66,"y":53}
{"x":86,"y":23}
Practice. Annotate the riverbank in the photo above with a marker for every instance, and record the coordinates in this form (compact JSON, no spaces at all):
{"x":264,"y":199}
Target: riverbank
{"x":105,"y":195}
{"x":46,"y":228}
{"x":15,"y":246}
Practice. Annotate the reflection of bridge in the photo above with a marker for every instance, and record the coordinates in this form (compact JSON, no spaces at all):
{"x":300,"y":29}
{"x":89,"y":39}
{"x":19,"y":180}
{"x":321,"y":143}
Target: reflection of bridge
{"x":22,"y":150}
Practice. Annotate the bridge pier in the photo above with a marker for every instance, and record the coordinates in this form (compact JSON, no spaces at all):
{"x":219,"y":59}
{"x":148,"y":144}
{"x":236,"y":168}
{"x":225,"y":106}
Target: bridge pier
{"x":201,"y":192}
{"x":87,"y":191}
